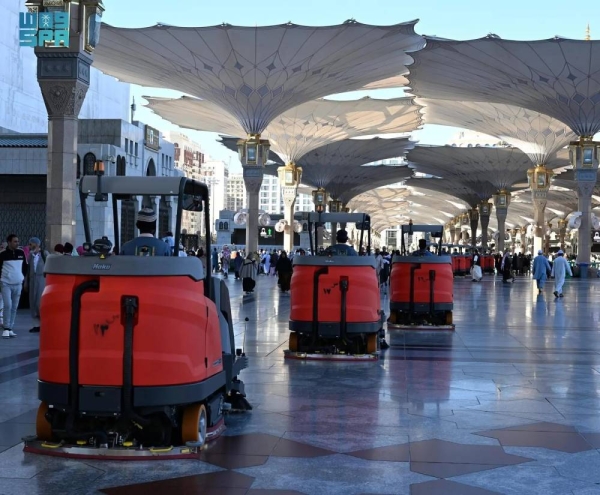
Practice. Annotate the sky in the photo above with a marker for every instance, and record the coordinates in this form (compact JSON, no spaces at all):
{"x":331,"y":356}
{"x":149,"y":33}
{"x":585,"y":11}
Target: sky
{"x":458,"y":19}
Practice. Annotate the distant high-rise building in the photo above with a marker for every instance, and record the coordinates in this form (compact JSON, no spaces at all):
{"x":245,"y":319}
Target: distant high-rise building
{"x":189,"y":159}
{"x":236,"y":192}
{"x":215,"y":174}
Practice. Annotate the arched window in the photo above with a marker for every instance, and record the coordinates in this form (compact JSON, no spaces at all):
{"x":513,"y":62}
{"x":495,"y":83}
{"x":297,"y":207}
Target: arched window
{"x":226,"y":226}
{"x":88,"y":163}
{"x":151,"y":171}
{"x":121,"y":166}
{"x":78,"y":166}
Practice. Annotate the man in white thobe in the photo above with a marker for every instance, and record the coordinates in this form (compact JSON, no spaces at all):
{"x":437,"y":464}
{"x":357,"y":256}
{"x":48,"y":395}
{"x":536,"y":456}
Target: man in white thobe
{"x":560,"y":268}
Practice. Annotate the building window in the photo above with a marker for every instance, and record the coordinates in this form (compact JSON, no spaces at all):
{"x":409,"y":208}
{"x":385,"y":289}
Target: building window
{"x":88,"y":163}
{"x":136,"y":149}
{"x":121,"y":166}
{"x":126,"y":144}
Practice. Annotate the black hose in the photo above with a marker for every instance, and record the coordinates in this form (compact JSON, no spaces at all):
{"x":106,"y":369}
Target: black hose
{"x":315,"y":318}
{"x":80,"y":290}
{"x":129,"y":306}
{"x":431,"y":292}
{"x":344,"y":283}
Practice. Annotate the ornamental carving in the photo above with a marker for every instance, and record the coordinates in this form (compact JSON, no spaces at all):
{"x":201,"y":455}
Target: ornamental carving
{"x":64,"y":98}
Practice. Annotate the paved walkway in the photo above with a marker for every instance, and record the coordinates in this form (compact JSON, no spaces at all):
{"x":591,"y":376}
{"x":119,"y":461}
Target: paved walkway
{"x":509,"y":403}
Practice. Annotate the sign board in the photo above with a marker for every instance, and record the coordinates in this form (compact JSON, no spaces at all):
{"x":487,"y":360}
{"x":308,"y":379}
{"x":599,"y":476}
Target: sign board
{"x":596,"y":237}
{"x":151,"y":138}
{"x":44,"y":29}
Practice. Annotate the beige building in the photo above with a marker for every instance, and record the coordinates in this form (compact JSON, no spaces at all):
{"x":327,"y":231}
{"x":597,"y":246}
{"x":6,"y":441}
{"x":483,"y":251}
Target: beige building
{"x":236,"y":192}
{"x":189,"y":158}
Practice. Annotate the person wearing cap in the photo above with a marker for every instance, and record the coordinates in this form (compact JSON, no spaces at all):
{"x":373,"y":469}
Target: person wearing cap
{"x":13,"y":270}
{"x":35,"y":281}
{"x":146,"y":244}
{"x":341,"y":248}
{"x":560,"y":268}
{"x":541,"y":269}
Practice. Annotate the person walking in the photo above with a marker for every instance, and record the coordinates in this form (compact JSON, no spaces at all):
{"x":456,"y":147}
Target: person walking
{"x":248,"y":273}
{"x":13,"y":270}
{"x":541,"y":269}
{"x":215,"y":260}
{"x":284,"y":269}
{"x":476,"y":272}
{"x":560,"y":268}
{"x":505,"y":268}
{"x":35,"y":281}
{"x":225,"y":260}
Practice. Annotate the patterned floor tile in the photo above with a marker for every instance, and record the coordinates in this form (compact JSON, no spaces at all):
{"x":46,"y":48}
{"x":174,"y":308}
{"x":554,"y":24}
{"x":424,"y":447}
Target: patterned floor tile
{"x":548,"y":435}
{"x":445,"y":487}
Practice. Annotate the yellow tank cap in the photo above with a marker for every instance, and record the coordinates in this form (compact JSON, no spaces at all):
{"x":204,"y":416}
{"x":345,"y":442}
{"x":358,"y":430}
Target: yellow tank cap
{"x":81,"y":442}
{"x":51,"y":445}
{"x":127,"y":444}
{"x":161,"y":450}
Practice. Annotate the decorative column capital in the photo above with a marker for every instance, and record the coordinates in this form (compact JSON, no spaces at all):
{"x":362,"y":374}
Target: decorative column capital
{"x":502,"y":201}
{"x":485,"y":209}
{"x":253,"y":151}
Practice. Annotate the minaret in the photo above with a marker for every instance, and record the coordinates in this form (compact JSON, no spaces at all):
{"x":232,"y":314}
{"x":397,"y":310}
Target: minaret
{"x":587,"y":33}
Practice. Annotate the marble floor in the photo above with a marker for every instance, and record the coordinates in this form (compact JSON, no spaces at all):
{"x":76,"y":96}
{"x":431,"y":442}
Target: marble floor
{"x":509,"y":403}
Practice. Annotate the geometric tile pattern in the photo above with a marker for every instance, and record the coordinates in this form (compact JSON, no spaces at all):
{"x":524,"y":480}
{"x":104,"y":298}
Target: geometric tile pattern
{"x":536,"y":134}
{"x":256,"y":74}
{"x":547,"y":435}
{"x":520,"y":369}
{"x":304,"y":128}
{"x":445,"y":487}
{"x":240,"y":451}
{"x":339,"y":167}
{"x":443,"y":459}
{"x":566,"y":86}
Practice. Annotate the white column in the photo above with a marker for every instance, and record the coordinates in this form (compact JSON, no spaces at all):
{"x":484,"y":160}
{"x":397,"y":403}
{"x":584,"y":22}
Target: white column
{"x":539,"y":207}
{"x":501,"y":213}
{"x":253,"y":177}
{"x":289,"y":203}
{"x":585,"y":188}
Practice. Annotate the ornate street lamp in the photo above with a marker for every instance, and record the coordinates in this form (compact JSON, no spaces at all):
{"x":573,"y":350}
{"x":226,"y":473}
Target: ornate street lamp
{"x":501,"y":199}
{"x":92,"y":21}
{"x":253,"y":151}
{"x":290,"y":175}
{"x":320,"y":199}
{"x":335,"y":206}
{"x":539,"y":180}
{"x":583,"y":154}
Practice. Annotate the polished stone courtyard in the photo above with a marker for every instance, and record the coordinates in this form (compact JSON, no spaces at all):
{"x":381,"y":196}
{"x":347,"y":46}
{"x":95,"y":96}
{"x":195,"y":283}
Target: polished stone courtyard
{"x":509,"y":403}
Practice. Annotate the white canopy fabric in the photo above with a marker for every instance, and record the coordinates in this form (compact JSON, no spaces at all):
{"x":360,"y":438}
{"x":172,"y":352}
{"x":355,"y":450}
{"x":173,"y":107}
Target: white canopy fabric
{"x":303,"y":128}
{"x":455,"y":188}
{"x":539,"y":136}
{"x":476,"y":167}
{"x":341,"y":167}
{"x":556,"y":77}
{"x":257,"y":73}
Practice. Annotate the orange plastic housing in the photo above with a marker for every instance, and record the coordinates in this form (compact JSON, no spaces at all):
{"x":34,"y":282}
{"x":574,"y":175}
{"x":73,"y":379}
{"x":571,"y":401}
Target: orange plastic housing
{"x":173,"y":334}
{"x":487,"y":263}
{"x":363,"y":298}
{"x":421,"y":267}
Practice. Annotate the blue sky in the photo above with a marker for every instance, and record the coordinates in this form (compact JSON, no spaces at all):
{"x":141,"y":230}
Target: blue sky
{"x":458,"y":19}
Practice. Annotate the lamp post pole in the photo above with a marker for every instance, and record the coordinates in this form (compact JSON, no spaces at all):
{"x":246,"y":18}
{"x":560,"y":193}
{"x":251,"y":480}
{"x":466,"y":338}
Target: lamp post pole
{"x":253,"y":153}
{"x":539,"y":183}
{"x":289,"y":180}
{"x":584,"y":159}
{"x":501,"y":202}
{"x":485,"y":209}
{"x":64,"y":59}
